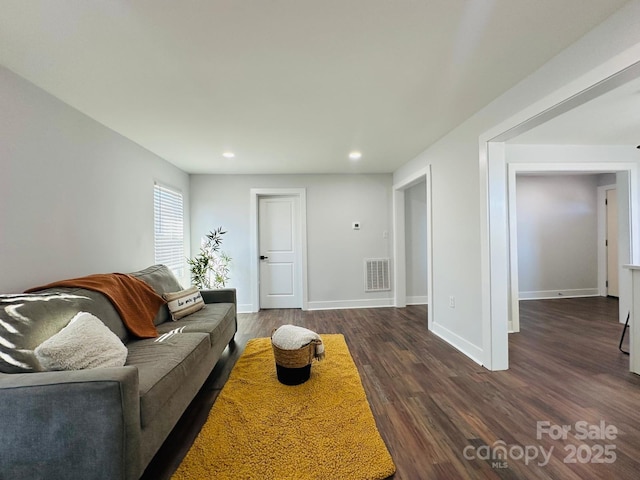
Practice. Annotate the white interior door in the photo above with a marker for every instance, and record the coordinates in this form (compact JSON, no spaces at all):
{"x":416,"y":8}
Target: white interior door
{"x":612,"y":243}
{"x":279,"y":243}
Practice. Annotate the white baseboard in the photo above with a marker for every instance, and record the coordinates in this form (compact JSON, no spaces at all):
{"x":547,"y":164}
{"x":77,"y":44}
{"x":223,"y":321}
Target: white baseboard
{"x":464,"y":346}
{"x":569,"y":293}
{"x":418,"y":300}
{"x":340,"y":304}
{"x":245,"y":308}
{"x":333,"y":305}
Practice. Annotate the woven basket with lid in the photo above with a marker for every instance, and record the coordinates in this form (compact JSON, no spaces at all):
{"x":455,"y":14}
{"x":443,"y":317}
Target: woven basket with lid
{"x":293,"y":366}
{"x":294,"y":358}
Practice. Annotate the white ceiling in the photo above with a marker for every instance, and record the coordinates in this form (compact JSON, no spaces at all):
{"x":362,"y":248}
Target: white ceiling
{"x":290,"y":86}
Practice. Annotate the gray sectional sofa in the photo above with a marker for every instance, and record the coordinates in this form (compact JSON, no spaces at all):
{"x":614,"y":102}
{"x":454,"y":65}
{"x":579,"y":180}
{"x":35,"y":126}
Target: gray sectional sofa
{"x":101,"y":423}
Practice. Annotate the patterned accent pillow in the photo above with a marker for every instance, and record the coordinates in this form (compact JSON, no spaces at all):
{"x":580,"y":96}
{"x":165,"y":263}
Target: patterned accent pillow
{"x":184,"y":303}
{"x":85,"y":342}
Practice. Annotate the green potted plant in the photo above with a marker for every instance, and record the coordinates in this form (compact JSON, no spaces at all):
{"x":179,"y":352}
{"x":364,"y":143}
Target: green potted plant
{"x":210,"y":268}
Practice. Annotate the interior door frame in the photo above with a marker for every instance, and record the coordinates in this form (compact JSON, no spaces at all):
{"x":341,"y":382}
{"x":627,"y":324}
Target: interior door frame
{"x":399,"y":231}
{"x":555,"y":168}
{"x":255,"y":195}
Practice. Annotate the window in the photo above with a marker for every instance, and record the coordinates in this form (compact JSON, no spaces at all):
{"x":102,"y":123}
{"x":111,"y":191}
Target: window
{"x":169,"y":229}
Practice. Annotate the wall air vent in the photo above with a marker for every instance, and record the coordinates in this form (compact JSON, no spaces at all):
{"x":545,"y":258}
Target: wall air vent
{"x":376,"y":275}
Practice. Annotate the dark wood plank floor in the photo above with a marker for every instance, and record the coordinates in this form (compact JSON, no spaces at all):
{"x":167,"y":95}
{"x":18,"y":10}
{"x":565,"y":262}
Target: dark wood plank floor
{"x":439,"y":412}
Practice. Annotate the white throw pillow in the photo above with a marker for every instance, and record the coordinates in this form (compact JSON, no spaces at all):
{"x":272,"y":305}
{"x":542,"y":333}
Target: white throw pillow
{"x":184,"y":303}
{"x":85,"y":342}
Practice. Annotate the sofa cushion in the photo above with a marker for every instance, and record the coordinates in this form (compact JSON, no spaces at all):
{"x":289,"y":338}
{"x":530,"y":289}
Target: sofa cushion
{"x":184,"y":302}
{"x":84,"y":343}
{"x":211,"y":320}
{"x":162,"y":280}
{"x":164,"y":364}
{"x":27,"y":320}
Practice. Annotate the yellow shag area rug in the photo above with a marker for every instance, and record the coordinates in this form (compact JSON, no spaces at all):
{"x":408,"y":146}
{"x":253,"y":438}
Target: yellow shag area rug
{"x":261,"y":429}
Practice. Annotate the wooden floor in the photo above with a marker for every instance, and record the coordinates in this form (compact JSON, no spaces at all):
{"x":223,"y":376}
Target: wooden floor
{"x":439,"y":412}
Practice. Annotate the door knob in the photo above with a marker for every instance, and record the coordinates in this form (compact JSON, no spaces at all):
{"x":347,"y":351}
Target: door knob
{"x":262,"y":257}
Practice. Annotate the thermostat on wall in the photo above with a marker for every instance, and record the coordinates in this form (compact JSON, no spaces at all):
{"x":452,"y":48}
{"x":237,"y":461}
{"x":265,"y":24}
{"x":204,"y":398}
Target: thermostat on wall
{"x":356,"y":225}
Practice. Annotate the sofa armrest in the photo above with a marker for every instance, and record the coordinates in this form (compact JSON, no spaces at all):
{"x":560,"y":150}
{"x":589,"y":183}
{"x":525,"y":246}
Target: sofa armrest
{"x":75,"y":424}
{"x":222,"y":295}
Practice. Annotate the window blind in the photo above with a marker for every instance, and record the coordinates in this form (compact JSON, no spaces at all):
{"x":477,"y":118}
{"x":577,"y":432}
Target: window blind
{"x":168,"y":216}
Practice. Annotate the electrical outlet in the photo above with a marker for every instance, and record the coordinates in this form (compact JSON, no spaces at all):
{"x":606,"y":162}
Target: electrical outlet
{"x":355,"y":225}
{"x":452,"y":301}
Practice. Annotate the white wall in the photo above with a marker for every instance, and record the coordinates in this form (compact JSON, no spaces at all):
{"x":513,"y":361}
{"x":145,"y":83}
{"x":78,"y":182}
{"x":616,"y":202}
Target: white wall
{"x":456,"y":202}
{"x":75,"y":197}
{"x":416,"y":243}
{"x":606,"y":179}
{"x":557,"y":235}
{"x":518,"y":153}
{"x":335,"y":251}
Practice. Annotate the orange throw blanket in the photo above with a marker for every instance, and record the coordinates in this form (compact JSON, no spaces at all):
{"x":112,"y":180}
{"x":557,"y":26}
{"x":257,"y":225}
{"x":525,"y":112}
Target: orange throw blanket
{"x":136,"y":302}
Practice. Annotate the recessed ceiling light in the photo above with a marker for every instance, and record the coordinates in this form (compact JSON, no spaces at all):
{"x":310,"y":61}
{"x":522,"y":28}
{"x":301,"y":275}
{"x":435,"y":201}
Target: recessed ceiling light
{"x":355,"y":155}
{"x":228,"y":154}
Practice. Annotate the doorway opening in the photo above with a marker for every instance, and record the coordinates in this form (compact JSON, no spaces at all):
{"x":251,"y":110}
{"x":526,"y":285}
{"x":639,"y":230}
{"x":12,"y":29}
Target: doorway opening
{"x":422,"y":177}
{"x":561,"y":235}
{"x":416,"y":244}
{"x":622,"y":217}
{"x":498,"y":304}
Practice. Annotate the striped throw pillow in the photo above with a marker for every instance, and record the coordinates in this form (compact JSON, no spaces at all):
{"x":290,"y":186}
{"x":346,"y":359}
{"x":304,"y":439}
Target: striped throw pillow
{"x":184,"y":303}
